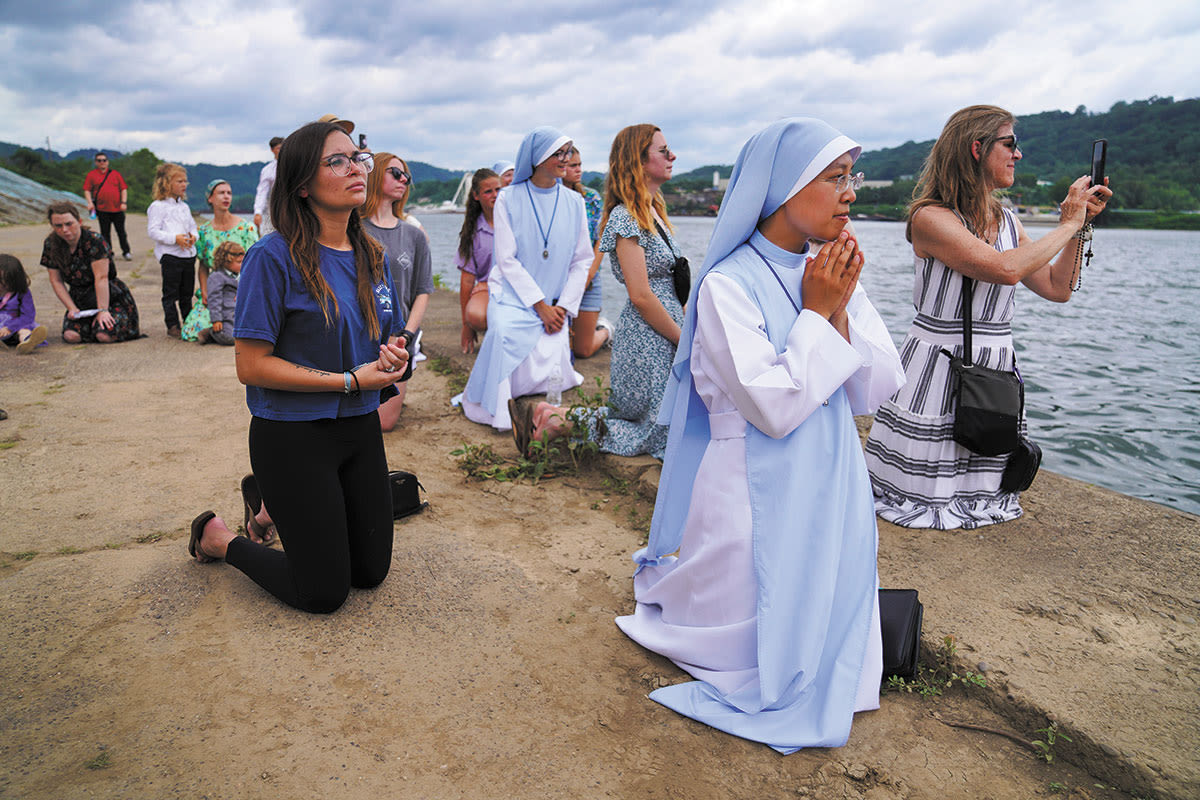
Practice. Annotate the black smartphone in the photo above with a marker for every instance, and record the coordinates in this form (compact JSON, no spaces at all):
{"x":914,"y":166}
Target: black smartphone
{"x":1099,"y":155}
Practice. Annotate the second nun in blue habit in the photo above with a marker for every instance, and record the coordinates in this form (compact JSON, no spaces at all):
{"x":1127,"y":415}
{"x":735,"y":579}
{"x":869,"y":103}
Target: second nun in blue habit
{"x":542,"y":253}
{"x":759,"y":576}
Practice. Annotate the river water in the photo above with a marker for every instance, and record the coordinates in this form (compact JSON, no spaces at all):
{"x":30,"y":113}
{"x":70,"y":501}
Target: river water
{"x":1112,"y":377}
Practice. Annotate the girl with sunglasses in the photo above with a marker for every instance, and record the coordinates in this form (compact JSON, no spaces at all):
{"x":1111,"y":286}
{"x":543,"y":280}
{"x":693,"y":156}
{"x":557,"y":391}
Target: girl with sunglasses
{"x":922,"y":478}
{"x":542,"y":253}
{"x":407,"y":250}
{"x":759,"y":574}
{"x":317,"y":324}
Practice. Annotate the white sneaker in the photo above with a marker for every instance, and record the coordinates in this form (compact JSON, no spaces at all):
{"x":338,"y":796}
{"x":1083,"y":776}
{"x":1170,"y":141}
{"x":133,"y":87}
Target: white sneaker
{"x":603,"y":324}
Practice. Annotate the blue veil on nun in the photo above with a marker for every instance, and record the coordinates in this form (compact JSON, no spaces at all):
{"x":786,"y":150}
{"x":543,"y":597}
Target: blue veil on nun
{"x":538,"y":145}
{"x":813,"y":613}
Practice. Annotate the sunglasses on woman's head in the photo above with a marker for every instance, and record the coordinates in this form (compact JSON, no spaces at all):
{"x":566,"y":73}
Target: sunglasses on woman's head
{"x":399,"y":174}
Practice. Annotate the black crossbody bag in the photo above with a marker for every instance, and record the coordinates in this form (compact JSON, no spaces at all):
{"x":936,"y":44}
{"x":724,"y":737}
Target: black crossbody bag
{"x":681,"y":273}
{"x":989,"y":405}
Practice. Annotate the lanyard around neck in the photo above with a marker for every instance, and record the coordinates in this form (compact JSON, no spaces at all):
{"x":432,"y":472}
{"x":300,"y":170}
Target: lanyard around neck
{"x":545,"y":233}
{"x":776,"y":274}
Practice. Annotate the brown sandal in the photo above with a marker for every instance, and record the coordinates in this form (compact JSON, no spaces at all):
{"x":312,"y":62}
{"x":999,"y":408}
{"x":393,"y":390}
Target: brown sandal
{"x":521,"y":415}
{"x":198,"y":531}
{"x":252,"y":501}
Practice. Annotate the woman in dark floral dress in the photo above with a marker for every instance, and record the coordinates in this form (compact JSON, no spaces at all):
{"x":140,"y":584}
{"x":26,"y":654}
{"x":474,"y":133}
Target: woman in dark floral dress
{"x":84,"y":278}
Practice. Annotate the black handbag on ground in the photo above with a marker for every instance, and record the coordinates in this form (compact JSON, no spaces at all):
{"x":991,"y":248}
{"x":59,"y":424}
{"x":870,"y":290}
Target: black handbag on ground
{"x":406,"y":498}
{"x":1023,"y":465}
{"x":900,"y":617}
{"x":987,"y":417}
{"x":681,"y":272}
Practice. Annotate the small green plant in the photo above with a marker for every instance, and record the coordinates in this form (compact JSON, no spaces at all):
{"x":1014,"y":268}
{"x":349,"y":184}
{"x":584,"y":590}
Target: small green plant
{"x":25,"y":555}
{"x":456,"y":378}
{"x":148,"y":538}
{"x":1045,"y":747}
{"x":113,"y":545}
{"x":102,"y":761}
{"x":7,"y":445}
{"x":439,"y":282}
{"x":1057,"y":788}
{"x":567,"y":453}
{"x":54,"y":388}
{"x":932,"y":680}
{"x":69,"y":550}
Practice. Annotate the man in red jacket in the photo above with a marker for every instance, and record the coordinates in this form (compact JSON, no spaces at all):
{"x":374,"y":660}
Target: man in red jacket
{"x":107,"y":196}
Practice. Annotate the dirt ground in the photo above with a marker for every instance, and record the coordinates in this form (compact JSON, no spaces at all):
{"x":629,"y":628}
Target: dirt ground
{"x":488,"y":664}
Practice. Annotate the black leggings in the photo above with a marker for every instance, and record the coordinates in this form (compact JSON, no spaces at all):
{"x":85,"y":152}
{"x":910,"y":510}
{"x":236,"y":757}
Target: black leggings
{"x":325,"y":486}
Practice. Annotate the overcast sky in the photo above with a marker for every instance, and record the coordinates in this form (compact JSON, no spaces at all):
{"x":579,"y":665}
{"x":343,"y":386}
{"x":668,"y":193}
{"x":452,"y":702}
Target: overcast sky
{"x":458,"y":84}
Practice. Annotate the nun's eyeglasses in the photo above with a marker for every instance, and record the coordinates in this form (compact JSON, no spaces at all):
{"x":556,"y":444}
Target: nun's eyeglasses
{"x":562,"y":153}
{"x":847,"y":181}
{"x":400,"y":175}
{"x":343,"y":164}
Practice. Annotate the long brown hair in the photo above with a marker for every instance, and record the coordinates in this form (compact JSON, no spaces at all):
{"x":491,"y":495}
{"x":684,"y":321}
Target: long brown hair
{"x":375,"y":187}
{"x":297,"y":223}
{"x":626,"y":182}
{"x":952,"y":177}
{"x":466,"y":236}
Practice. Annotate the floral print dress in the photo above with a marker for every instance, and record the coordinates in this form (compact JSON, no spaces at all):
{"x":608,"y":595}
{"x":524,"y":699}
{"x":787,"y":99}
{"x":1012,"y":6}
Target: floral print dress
{"x":641,"y":357}
{"x":207,"y":241}
{"x":77,"y":274}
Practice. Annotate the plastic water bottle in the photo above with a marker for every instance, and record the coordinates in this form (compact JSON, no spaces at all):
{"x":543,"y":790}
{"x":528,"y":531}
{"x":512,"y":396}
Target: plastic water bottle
{"x":554,"y":386}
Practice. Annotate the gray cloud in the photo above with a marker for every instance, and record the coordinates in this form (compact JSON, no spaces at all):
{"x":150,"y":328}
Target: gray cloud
{"x":459,"y":84}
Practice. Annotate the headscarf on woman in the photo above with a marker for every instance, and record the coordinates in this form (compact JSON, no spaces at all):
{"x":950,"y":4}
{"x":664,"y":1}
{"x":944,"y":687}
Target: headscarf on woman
{"x":538,"y":145}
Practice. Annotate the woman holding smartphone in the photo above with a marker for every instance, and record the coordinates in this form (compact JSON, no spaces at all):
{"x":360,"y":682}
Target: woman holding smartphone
{"x":959,"y":231}
{"x":317,"y":322}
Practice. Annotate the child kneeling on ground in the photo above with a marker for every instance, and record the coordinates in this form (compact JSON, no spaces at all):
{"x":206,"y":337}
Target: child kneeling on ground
{"x":18,"y":318}
{"x":222,"y":293}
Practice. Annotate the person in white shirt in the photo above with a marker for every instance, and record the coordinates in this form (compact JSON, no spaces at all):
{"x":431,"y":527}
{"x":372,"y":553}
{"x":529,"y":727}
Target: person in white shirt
{"x":262,"y":195}
{"x":170,"y":225}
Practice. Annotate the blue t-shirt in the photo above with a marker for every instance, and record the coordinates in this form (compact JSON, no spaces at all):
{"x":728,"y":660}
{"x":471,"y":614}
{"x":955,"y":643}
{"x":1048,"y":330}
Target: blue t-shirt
{"x":273,"y":305}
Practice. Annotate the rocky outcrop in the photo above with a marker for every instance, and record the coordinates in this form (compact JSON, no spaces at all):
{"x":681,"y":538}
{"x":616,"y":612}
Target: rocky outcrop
{"x":23,"y":202}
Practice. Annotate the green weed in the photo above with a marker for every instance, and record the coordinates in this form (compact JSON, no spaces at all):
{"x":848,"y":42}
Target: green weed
{"x":7,"y":445}
{"x":1045,"y":747}
{"x":147,"y":538}
{"x":933,"y":679}
{"x":69,"y":550}
{"x":102,"y":761}
{"x":25,"y":555}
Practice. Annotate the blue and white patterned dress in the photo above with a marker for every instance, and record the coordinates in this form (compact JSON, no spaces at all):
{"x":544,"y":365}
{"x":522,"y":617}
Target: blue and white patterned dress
{"x":641,"y":357}
{"x":920,"y":476}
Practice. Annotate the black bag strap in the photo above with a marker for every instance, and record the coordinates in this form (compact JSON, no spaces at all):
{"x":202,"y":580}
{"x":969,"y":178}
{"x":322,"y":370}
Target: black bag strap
{"x":96,"y":191}
{"x":968,"y":296}
{"x":663,"y":235}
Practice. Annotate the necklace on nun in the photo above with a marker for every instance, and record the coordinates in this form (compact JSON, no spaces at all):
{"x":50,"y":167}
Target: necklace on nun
{"x":545,"y":233}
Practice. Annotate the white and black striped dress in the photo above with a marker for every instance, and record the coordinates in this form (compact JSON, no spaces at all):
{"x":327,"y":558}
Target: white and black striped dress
{"x":920,"y":476}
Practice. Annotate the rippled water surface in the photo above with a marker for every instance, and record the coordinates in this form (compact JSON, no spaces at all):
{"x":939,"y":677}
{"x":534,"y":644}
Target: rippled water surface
{"x":1113,"y":390}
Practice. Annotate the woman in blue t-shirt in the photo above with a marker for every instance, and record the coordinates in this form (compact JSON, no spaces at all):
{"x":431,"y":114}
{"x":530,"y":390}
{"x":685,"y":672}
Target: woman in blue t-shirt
{"x":317,"y":325}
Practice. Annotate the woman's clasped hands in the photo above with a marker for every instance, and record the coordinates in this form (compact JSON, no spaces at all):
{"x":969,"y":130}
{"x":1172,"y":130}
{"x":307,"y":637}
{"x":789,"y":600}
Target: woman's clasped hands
{"x":830,"y":278}
{"x":390,"y":368}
